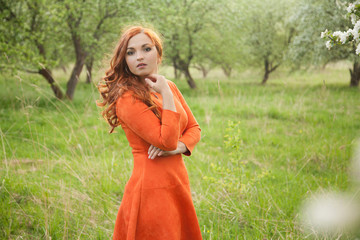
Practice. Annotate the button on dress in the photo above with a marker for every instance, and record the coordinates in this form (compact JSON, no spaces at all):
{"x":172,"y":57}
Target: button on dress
{"x":157,"y":203}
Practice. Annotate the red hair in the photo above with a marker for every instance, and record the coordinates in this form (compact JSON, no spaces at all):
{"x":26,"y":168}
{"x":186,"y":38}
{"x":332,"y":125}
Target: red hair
{"x":118,"y":78}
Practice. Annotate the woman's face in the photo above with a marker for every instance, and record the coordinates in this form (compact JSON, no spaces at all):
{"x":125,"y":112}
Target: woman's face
{"x":141,"y":55}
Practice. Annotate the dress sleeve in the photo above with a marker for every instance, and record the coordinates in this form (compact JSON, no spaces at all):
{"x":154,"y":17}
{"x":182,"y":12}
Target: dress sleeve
{"x":192,"y":133}
{"x":142,"y":121}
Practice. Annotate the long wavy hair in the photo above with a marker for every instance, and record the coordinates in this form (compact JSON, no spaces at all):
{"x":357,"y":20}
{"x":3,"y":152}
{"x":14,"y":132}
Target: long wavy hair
{"x":118,"y":78}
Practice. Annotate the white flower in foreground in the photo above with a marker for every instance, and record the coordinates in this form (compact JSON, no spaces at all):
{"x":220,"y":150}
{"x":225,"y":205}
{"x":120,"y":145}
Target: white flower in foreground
{"x":353,"y":18}
{"x":324,"y":33}
{"x":328,"y":44}
{"x":358,"y":52}
{"x":355,"y":30}
{"x":350,"y":8}
{"x":342,"y":36}
{"x":330,"y":214}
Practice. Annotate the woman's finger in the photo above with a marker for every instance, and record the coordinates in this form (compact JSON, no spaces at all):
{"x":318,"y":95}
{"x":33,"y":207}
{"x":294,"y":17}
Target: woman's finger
{"x":161,"y":153}
{"x":149,"y":82}
{"x":157,"y":82}
{"x":155,"y":153}
{"x":150,"y":149}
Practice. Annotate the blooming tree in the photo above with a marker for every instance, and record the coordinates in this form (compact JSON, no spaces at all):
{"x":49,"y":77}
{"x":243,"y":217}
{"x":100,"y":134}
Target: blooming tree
{"x":350,"y":36}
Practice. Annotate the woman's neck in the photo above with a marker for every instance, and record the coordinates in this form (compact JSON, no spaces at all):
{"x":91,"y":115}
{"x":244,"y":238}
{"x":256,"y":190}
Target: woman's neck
{"x":142,"y":80}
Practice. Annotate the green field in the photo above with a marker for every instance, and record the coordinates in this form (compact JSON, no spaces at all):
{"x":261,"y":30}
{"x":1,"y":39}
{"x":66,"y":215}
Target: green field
{"x":264,"y":149}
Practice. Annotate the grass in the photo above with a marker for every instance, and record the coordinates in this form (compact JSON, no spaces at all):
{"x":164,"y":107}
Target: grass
{"x":264,"y":149}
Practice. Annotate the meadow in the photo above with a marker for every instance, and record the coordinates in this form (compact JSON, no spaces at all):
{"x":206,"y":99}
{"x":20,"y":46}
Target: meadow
{"x":264,"y":149}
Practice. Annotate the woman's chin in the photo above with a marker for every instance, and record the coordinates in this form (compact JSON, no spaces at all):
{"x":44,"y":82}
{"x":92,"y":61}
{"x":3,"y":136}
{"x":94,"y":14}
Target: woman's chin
{"x":143,"y":74}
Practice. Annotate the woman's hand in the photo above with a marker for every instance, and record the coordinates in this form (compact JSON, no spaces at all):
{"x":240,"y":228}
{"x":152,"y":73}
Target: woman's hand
{"x":157,"y":152}
{"x":158,"y":83}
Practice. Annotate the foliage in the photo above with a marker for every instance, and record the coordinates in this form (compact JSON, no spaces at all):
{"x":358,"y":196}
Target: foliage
{"x":267,"y":33}
{"x":263,"y":150}
{"x":182,"y":24}
{"x":311,"y":18}
{"x":29,"y":33}
{"x":349,"y":36}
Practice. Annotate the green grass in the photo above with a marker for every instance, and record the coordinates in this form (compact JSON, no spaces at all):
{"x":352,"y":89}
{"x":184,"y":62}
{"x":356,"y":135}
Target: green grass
{"x":264,"y":149}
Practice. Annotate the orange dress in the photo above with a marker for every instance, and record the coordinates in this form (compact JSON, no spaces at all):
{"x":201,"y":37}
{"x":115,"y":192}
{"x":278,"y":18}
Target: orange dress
{"x":157,"y":203}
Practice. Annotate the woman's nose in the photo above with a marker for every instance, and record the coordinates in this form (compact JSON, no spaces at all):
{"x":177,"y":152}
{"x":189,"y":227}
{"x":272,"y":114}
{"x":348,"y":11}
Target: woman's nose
{"x":139,"y":57}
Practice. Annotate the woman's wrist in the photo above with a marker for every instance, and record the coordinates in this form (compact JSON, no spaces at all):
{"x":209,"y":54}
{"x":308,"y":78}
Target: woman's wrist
{"x":168,"y":100}
{"x":166,"y":92}
{"x":181,"y":147}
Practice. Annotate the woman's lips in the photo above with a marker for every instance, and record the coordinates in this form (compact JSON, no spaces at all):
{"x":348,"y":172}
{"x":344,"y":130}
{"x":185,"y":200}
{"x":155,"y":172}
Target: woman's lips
{"x":141,"y":65}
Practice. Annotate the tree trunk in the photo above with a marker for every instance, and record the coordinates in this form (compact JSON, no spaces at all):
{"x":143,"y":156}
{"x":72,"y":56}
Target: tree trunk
{"x":74,"y":78}
{"x":177,"y":73}
{"x":269,"y":68}
{"x":267,"y":71}
{"x":63,"y":68}
{"x":184,"y":67}
{"x":46,"y":73}
{"x":266,"y":77}
{"x":89,"y":65}
{"x":355,"y":75}
{"x":227,"y":71}
{"x":203,"y":70}
{"x":81,"y":55}
{"x":189,"y":79}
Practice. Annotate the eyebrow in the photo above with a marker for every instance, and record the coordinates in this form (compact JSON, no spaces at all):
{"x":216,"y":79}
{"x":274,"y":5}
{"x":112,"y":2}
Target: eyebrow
{"x":141,"y":46}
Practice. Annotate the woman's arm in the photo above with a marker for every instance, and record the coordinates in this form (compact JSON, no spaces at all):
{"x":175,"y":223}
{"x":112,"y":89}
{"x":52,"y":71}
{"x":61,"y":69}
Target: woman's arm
{"x":192,"y":133}
{"x":161,"y":86}
{"x":154,"y":151}
{"x":142,"y":121}
{"x":189,"y":138}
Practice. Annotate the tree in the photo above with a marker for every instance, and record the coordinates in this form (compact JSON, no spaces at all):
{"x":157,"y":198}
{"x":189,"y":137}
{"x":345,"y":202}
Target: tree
{"x":28,"y":34}
{"x":349,"y":37}
{"x":41,"y":34}
{"x":181,"y":23}
{"x":86,"y":22}
{"x":307,"y":48}
{"x":267,"y":33}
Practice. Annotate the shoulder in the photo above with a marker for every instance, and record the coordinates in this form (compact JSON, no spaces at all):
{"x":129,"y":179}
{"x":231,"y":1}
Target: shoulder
{"x":126,"y":97}
{"x":125,"y":103}
{"x":170,"y":83}
{"x":172,"y":86}
{"x":127,"y":106}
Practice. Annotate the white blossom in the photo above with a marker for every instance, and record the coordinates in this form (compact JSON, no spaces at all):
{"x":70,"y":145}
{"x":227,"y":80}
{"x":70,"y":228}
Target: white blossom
{"x":330,"y":213}
{"x":342,"y":35}
{"x":358,"y":49}
{"x":350,"y":8}
{"x":328,"y":44}
{"x":356,"y":30}
{"x":353,"y":18}
{"x":357,"y":26}
{"x":324,"y":33}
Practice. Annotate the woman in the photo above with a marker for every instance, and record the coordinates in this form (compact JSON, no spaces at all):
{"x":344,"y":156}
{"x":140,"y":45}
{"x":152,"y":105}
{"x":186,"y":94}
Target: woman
{"x":160,"y":127}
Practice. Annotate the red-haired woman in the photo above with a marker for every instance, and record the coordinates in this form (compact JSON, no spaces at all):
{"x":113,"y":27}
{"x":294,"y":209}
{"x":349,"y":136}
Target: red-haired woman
{"x":160,"y":127}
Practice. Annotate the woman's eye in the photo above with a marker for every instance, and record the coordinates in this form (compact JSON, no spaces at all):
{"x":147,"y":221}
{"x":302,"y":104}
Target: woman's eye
{"x":130,"y":53}
{"x":148,"y":49}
